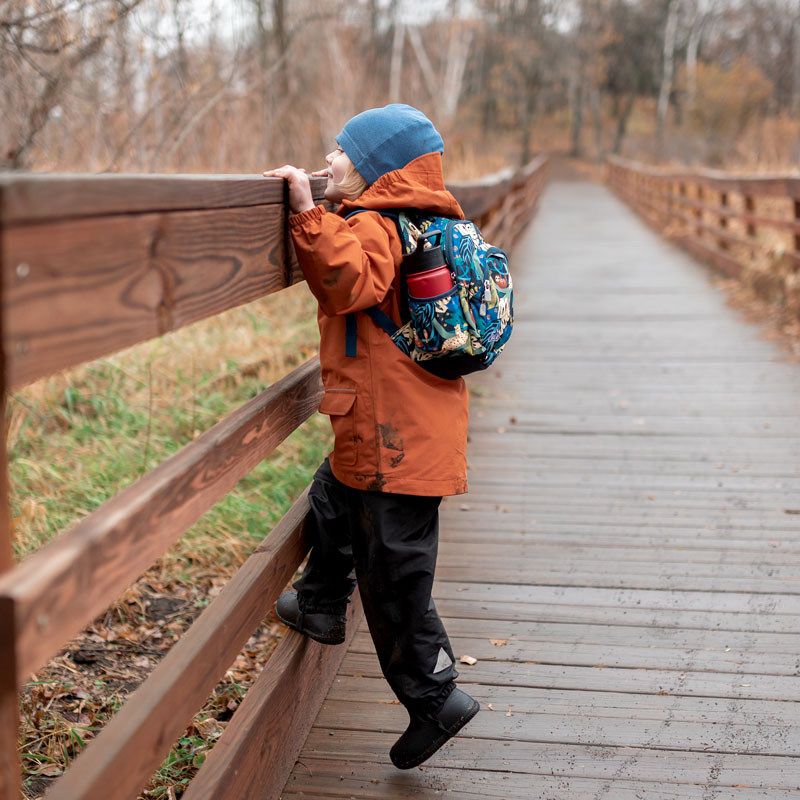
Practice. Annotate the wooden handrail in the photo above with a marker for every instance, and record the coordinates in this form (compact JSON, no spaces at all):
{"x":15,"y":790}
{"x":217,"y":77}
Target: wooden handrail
{"x":63,"y":586}
{"x":91,"y":264}
{"x":682,"y":204}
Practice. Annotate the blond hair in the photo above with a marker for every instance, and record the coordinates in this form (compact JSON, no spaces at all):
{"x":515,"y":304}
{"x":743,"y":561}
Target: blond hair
{"x":353,"y":184}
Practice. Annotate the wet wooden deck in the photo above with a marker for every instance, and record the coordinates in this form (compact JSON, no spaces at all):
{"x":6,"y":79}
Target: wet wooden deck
{"x":630,"y":543}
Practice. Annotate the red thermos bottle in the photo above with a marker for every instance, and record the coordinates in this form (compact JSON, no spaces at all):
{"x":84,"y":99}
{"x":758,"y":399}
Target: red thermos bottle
{"x":427,"y":273}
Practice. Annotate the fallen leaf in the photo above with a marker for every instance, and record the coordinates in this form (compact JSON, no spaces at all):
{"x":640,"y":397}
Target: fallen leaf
{"x":499,"y":642}
{"x":468,"y":660}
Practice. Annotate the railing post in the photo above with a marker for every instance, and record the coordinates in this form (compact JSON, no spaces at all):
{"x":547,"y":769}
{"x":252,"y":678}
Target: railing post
{"x":723,"y":220}
{"x":749,"y":208}
{"x":682,"y":205}
{"x":10,"y":788}
{"x":698,"y":211}
{"x":797,"y":220}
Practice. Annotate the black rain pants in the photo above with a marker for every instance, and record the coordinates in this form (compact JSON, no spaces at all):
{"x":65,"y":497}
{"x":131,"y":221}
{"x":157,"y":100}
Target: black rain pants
{"x":392,"y":541}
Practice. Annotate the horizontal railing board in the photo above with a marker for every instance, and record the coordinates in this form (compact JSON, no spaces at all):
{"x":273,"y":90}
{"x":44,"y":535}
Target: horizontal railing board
{"x":142,"y":732}
{"x":764,"y":185}
{"x":81,"y":289}
{"x":33,"y":198}
{"x":258,"y":749}
{"x":111,"y":261}
{"x":27,"y":198}
{"x":64,"y":585}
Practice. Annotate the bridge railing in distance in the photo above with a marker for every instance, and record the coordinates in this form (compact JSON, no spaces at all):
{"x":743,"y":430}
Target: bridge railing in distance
{"x":746,"y":226}
{"x":91,"y":264}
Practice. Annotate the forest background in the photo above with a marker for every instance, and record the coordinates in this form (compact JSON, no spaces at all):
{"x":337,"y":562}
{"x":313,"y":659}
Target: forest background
{"x":236,"y":86}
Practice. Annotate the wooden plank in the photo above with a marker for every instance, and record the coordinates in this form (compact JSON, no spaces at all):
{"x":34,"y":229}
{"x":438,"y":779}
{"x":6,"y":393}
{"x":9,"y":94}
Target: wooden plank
{"x":676,"y":577}
{"x":592,"y":552}
{"x":78,"y":289}
{"x":86,"y":275}
{"x":524,"y":611}
{"x":589,"y":724}
{"x":31,"y":198}
{"x":600,"y":678}
{"x":706,"y":540}
{"x":659,"y":600}
{"x":355,"y":780}
{"x":141,"y":733}
{"x":258,"y":749}
{"x":547,"y":759}
{"x":776,"y":717}
{"x":63,"y":586}
{"x":612,"y":646}
{"x":755,"y":185}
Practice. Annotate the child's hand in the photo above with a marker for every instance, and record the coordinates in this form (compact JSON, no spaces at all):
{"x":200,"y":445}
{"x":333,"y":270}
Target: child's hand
{"x":300,"y":198}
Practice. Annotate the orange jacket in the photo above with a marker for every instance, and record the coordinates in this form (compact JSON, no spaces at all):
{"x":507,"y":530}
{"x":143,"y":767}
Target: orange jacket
{"x":397,"y":427}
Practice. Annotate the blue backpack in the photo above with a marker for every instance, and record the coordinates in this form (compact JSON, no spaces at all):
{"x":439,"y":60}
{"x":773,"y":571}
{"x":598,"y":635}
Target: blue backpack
{"x":465,"y":329}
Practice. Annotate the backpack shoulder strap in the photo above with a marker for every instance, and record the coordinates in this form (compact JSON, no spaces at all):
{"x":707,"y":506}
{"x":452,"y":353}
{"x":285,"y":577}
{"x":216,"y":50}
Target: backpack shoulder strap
{"x":380,"y":318}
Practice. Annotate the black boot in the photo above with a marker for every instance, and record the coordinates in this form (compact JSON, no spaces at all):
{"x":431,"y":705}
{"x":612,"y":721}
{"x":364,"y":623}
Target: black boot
{"x":424,"y":737}
{"x":319,"y":626}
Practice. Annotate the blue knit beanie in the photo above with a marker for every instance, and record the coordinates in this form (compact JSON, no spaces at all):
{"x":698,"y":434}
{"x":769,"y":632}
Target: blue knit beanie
{"x":380,"y":140}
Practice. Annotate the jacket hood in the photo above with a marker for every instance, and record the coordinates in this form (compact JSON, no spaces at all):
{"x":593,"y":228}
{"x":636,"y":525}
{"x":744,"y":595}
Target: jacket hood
{"x":419,"y":184}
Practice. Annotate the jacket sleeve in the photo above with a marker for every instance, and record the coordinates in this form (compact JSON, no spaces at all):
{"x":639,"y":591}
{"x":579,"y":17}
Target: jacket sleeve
{"x":349,"y":264}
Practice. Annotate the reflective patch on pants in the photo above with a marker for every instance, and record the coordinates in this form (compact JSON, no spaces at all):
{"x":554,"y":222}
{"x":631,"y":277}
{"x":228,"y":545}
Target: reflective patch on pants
{"x":442,"y":662}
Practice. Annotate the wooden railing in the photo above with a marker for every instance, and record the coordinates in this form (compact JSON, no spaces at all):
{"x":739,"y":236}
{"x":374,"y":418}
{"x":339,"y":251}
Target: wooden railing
{"x":94,"y":264}
{"x":748,"y":227}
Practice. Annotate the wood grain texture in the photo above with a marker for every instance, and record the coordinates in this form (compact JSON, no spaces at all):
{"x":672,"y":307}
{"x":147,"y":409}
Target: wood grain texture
{"x":63,"y":586}
{"x":547,"y":759}
{"x":153,"y":717}
{"x":93,"y":264}
{"x":257,"y":751}
{"x":75,"y":290}
{"x":28,"y":198}
{"x":359,"y":779}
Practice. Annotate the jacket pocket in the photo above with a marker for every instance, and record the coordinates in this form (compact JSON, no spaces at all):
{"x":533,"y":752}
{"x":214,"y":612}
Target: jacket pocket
{"x":339,"y":405}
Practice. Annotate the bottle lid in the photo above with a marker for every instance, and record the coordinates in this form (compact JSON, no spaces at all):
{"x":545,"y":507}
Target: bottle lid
{"x":427,"y":255}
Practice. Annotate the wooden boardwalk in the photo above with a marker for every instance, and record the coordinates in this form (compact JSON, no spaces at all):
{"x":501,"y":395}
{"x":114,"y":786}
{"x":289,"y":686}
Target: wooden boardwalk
{"x":630,"y":543}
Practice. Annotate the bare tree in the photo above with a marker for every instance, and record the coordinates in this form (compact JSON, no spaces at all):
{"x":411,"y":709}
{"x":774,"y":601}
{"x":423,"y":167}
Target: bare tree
{"x":668,"y":69}
{"x":51,"y":51}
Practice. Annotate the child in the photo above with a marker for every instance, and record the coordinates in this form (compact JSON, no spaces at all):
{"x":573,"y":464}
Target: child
{"x":400,"y":432}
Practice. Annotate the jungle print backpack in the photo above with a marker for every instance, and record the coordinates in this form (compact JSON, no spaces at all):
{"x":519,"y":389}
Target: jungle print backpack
{"x":465,"y":329}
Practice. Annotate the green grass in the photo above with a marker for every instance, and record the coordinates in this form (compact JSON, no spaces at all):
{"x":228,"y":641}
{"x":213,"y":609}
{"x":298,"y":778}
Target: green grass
{"x":77,"y":439}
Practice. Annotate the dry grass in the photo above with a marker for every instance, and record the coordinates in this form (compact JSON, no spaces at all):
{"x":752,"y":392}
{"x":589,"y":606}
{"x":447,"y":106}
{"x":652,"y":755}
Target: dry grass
{"x":76,"y":438}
